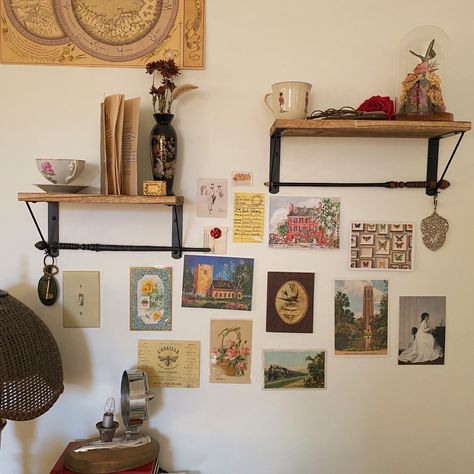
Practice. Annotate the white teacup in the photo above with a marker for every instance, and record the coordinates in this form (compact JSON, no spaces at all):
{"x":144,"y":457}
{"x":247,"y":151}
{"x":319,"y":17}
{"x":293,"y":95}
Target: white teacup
{"x":289,"y":100}
{"x":60,"y":171}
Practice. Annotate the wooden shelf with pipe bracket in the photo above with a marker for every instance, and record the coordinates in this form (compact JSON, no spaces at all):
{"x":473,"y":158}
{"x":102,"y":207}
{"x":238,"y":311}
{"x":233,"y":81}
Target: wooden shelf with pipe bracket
{"x":52,"y":245}
{"x":433,"y":131}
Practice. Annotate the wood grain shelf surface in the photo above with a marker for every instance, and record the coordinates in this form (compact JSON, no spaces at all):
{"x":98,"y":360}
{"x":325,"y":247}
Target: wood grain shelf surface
{"x":368,"y":128}
{"x":100,"y":198}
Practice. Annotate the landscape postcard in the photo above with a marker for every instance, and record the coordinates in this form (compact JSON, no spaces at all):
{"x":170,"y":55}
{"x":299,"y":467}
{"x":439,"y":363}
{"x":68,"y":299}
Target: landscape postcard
{"x":293,"y":369}
{"x":304,"y":222}
{"x":217,"y":282}
{"x":361,"y":317}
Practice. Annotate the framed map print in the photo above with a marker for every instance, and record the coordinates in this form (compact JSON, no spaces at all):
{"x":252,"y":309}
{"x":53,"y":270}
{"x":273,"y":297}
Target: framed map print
{"x":102,"y":33}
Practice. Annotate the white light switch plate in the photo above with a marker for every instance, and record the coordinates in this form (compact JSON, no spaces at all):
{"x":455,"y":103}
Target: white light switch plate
{"x":81,"y":299}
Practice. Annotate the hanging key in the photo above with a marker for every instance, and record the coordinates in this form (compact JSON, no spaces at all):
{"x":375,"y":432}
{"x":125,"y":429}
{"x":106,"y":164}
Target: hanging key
{"x":47,"y":285}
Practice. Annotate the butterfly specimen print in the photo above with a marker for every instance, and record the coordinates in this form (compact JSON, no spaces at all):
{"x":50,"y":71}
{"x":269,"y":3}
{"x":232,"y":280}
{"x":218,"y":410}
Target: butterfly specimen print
{"x":382,"y":246}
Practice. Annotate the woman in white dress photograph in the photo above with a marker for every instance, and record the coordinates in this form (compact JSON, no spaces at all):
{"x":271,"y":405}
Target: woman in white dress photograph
{"x":422,"y":337}
{"x":425,"y":348}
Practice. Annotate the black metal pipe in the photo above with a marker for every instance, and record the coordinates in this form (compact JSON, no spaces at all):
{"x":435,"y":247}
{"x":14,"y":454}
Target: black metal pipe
{"x":119,"y":248}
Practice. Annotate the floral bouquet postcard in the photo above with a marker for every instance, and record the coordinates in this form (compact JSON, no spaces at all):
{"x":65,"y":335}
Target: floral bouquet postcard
{"x":361,"y":317}
{"x":304,"y":222}
{"x":150,"y":298}
{"x":231,"y":347}
{"x":217,"y":282}
{"x":381,"y":246}
{"x":290,"y":369}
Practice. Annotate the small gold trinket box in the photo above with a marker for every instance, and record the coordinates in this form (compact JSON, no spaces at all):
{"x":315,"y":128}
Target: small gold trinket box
{"x":154,"y":188}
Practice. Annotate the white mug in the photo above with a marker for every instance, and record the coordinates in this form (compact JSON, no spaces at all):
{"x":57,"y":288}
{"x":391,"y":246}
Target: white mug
{"x":289,"y":100}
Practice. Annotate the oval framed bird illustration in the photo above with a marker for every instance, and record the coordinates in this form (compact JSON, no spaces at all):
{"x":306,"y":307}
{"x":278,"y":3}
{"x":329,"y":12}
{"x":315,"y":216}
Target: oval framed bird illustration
{"x":291,"y":302}
{"x":290,"y":297}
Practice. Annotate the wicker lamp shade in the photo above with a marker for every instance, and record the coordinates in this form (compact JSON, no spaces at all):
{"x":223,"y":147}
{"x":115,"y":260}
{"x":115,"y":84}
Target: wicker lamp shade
{"x":31,"y":373}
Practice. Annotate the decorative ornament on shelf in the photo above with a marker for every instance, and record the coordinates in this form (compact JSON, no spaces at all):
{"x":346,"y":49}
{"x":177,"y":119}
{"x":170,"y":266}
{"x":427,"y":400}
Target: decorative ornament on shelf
{"x":163,"y":140}
{"x":420,"y":96}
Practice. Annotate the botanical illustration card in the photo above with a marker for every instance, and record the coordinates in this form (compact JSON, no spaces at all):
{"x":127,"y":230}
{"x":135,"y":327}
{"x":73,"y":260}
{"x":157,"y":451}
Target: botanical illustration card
{"x":211,"y":199}
{"x":242,"y":178}
{"x":231,"y":350}
{"x":290,"y":299}
{"x":150,"y":298}
{"x":217,"y":282}
{"x":422,"y":332}
{"x":381,"y":246}
{"x":361,"y":317}
{"x":170,"y":363}
{"x":249,"y":218}
{"x":292,"y":369}
{"x":215,"y":238}
{"x":302,"y":222}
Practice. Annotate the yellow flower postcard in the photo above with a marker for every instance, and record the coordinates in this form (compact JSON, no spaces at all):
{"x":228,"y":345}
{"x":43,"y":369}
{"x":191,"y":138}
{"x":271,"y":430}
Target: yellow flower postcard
{"x":150,"y":298}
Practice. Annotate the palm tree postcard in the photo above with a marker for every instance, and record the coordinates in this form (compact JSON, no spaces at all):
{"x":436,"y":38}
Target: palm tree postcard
{"x":361,"y":317}
{"x":304,"y":222}
{"x":293,"y":369}
{"x":217,"y":282}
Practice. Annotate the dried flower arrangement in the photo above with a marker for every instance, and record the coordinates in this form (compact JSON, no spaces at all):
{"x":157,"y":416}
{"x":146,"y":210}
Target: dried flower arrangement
{"x":168,"y":91}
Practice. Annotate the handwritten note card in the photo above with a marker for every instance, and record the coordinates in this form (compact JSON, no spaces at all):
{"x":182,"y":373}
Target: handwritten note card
{"x":249,"y":213}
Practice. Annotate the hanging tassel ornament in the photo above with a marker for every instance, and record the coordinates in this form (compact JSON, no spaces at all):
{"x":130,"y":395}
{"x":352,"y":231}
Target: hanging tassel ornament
{"x":434,"y":229}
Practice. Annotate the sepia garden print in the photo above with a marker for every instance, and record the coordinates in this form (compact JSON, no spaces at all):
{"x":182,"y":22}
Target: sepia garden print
{"x":361,"y":317}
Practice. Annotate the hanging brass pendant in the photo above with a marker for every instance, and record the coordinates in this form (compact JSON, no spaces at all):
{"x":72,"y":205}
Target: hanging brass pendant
{"x":433,"y":230}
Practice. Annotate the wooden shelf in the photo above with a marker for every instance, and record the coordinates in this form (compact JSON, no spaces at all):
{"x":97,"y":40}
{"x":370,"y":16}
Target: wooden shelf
{"x":100,"y":198}
{"x":368,"y":128}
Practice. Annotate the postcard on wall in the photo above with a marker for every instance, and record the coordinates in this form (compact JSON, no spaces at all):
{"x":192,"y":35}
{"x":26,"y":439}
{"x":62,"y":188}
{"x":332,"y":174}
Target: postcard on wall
{"x":302,"y":222}
{"x":381,"y":246}
{"x":230,"y":351}
{"x":290,"y":299}
{"x":242,"y":178}
{"x":217,"y":282}
{"x":361,"y":317}
{"x":169,"y":363}
{"x":215,"y":238}
{"x":422,"y":331}
{"x":150,"y":298}
{"x":249,"y":218}
{"x":292,"y":369}
{"x":211,"y":200}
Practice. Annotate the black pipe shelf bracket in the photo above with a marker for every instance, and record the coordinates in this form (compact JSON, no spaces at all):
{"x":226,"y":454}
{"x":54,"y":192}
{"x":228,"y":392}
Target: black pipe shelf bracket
{"x":52,"y":245}
{"x":432,"y":130}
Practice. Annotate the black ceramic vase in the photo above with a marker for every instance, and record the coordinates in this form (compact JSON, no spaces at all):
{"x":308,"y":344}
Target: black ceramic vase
{"x":163,"y":150}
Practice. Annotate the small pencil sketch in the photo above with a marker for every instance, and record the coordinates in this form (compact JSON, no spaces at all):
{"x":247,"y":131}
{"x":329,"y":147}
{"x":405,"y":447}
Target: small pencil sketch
{"x":212,"y":198}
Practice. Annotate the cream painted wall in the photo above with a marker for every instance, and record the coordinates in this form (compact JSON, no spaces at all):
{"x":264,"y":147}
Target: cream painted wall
{"x":374,"y":417}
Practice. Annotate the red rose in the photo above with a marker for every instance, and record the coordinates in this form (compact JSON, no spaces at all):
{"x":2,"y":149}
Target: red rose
{"x":377,"y":104}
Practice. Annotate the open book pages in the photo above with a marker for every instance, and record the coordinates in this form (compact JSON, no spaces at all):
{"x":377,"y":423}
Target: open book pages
{"x":119,"y":136}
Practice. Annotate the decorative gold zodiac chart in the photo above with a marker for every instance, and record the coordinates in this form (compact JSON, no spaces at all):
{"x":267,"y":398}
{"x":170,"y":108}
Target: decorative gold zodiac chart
{"x":104,"y":33}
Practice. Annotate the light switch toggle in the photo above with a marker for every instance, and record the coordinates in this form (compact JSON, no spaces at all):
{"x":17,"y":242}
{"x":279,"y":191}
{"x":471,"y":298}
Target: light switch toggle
{"x":80,"y":299}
